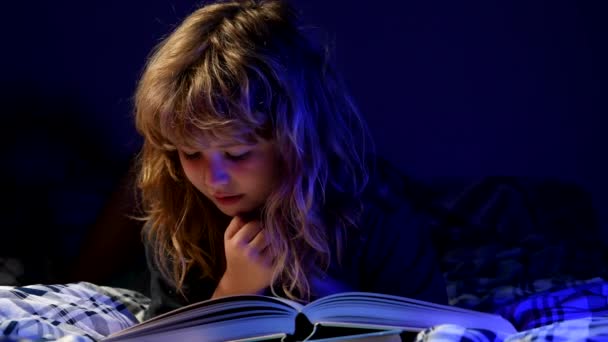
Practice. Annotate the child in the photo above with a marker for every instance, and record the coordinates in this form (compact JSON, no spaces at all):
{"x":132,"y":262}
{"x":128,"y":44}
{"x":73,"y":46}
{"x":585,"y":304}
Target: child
{"x":256,"y":171}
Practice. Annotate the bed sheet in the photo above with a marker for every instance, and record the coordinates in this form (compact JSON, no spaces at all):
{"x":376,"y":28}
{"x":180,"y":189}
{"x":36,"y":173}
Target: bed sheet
{"x":67,"y":312}
{"x":80,"y":312}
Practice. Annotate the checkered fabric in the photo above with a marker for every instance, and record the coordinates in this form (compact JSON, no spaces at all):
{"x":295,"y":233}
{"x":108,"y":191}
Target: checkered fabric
{"x":77,"y":312}
{"x":576,"y":311}
{"x":72,"y":312}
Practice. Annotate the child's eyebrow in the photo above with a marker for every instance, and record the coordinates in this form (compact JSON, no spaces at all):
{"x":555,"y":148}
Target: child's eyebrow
{"x":221,"y":145}
{"x":232,"y":144}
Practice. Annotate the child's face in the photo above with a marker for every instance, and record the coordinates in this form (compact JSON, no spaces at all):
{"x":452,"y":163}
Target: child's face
{"x":236,"y":177}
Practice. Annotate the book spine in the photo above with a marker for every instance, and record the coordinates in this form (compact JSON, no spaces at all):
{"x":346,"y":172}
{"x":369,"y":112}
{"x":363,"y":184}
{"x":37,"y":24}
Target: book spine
{"x":304,"y":328}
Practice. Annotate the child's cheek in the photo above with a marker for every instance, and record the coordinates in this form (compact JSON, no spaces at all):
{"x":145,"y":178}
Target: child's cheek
{"x":194,"y":171}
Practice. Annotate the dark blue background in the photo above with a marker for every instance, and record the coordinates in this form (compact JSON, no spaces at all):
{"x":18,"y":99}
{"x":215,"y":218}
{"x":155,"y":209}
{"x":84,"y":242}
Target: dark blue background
{"x":449,"y":88}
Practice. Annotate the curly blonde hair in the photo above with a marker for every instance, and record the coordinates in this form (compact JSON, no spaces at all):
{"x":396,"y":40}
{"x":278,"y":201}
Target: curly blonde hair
{"x":245,"y":66}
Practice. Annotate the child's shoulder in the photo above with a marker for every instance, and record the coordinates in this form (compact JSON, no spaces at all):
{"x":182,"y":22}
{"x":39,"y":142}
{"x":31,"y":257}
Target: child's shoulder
{"x":386,"y":188}
{"x":391,"y":200}
{"x":392,"y":220}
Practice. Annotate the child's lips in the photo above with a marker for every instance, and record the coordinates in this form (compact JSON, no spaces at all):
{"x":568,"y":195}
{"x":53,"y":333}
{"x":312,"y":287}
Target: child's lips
{"x":227,"y":200}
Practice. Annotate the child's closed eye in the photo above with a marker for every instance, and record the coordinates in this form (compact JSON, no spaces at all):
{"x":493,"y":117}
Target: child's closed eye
{"x":237,"y":156}
{"x":192,"y":156}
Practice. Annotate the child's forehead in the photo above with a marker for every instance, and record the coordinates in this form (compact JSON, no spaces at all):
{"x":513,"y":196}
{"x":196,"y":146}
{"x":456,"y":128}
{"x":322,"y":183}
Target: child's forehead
{"x":204,"y":141}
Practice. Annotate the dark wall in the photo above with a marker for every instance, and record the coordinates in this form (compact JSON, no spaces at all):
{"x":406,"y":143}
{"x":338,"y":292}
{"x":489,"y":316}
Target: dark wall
{"x":475,"y":88}
{"x":449,"y":88}
{"x":69,"y":70}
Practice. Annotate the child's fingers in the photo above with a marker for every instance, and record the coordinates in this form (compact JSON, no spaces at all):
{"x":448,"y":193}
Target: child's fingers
{"x":247,"y":232}
{"x":233,"y":227}
{"x":259,"y":241}
{"x":268,"y":256}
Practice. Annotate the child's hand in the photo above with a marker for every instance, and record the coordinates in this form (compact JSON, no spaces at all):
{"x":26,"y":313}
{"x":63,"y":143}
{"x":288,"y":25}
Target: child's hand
{"x":248,"y":262}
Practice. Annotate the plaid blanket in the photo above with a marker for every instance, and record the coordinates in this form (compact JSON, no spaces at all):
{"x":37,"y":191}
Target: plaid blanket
{"x":67,"y":313}
{"x":87,"y":312}
{"x":575,"y":311}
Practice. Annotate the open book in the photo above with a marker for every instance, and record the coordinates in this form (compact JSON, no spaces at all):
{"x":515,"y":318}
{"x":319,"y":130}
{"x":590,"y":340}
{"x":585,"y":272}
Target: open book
{"x":346,"y":316}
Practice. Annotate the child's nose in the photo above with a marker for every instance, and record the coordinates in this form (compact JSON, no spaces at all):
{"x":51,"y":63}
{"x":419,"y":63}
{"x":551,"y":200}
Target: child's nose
{"x":217,"y":173}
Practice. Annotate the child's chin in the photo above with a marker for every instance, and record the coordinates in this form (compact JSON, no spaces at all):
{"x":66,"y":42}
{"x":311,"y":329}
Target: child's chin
{"x":234,"y":211}
{"x":229,"y":211}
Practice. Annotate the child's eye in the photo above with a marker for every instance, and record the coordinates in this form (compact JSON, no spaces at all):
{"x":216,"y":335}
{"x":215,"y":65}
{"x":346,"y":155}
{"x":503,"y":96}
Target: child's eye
{"x":192,"y":156}
{"x":237,"y":157}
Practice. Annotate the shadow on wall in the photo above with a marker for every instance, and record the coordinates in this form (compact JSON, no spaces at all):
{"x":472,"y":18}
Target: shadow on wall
{"x":57,"y":175}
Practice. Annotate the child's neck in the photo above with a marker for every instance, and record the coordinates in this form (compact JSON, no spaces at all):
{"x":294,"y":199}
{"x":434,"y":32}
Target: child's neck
{"x":251,"y":215}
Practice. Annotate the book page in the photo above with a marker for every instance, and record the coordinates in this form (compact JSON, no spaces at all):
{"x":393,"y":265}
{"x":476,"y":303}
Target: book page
{"x":378,"y":336}
{"x":235,"y":317}
{"x":245,"y":331}
{"x":242,"y":299}
{"x":265,"y":338}
{"x":337,"y":333}
{"x":377,"y":310}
